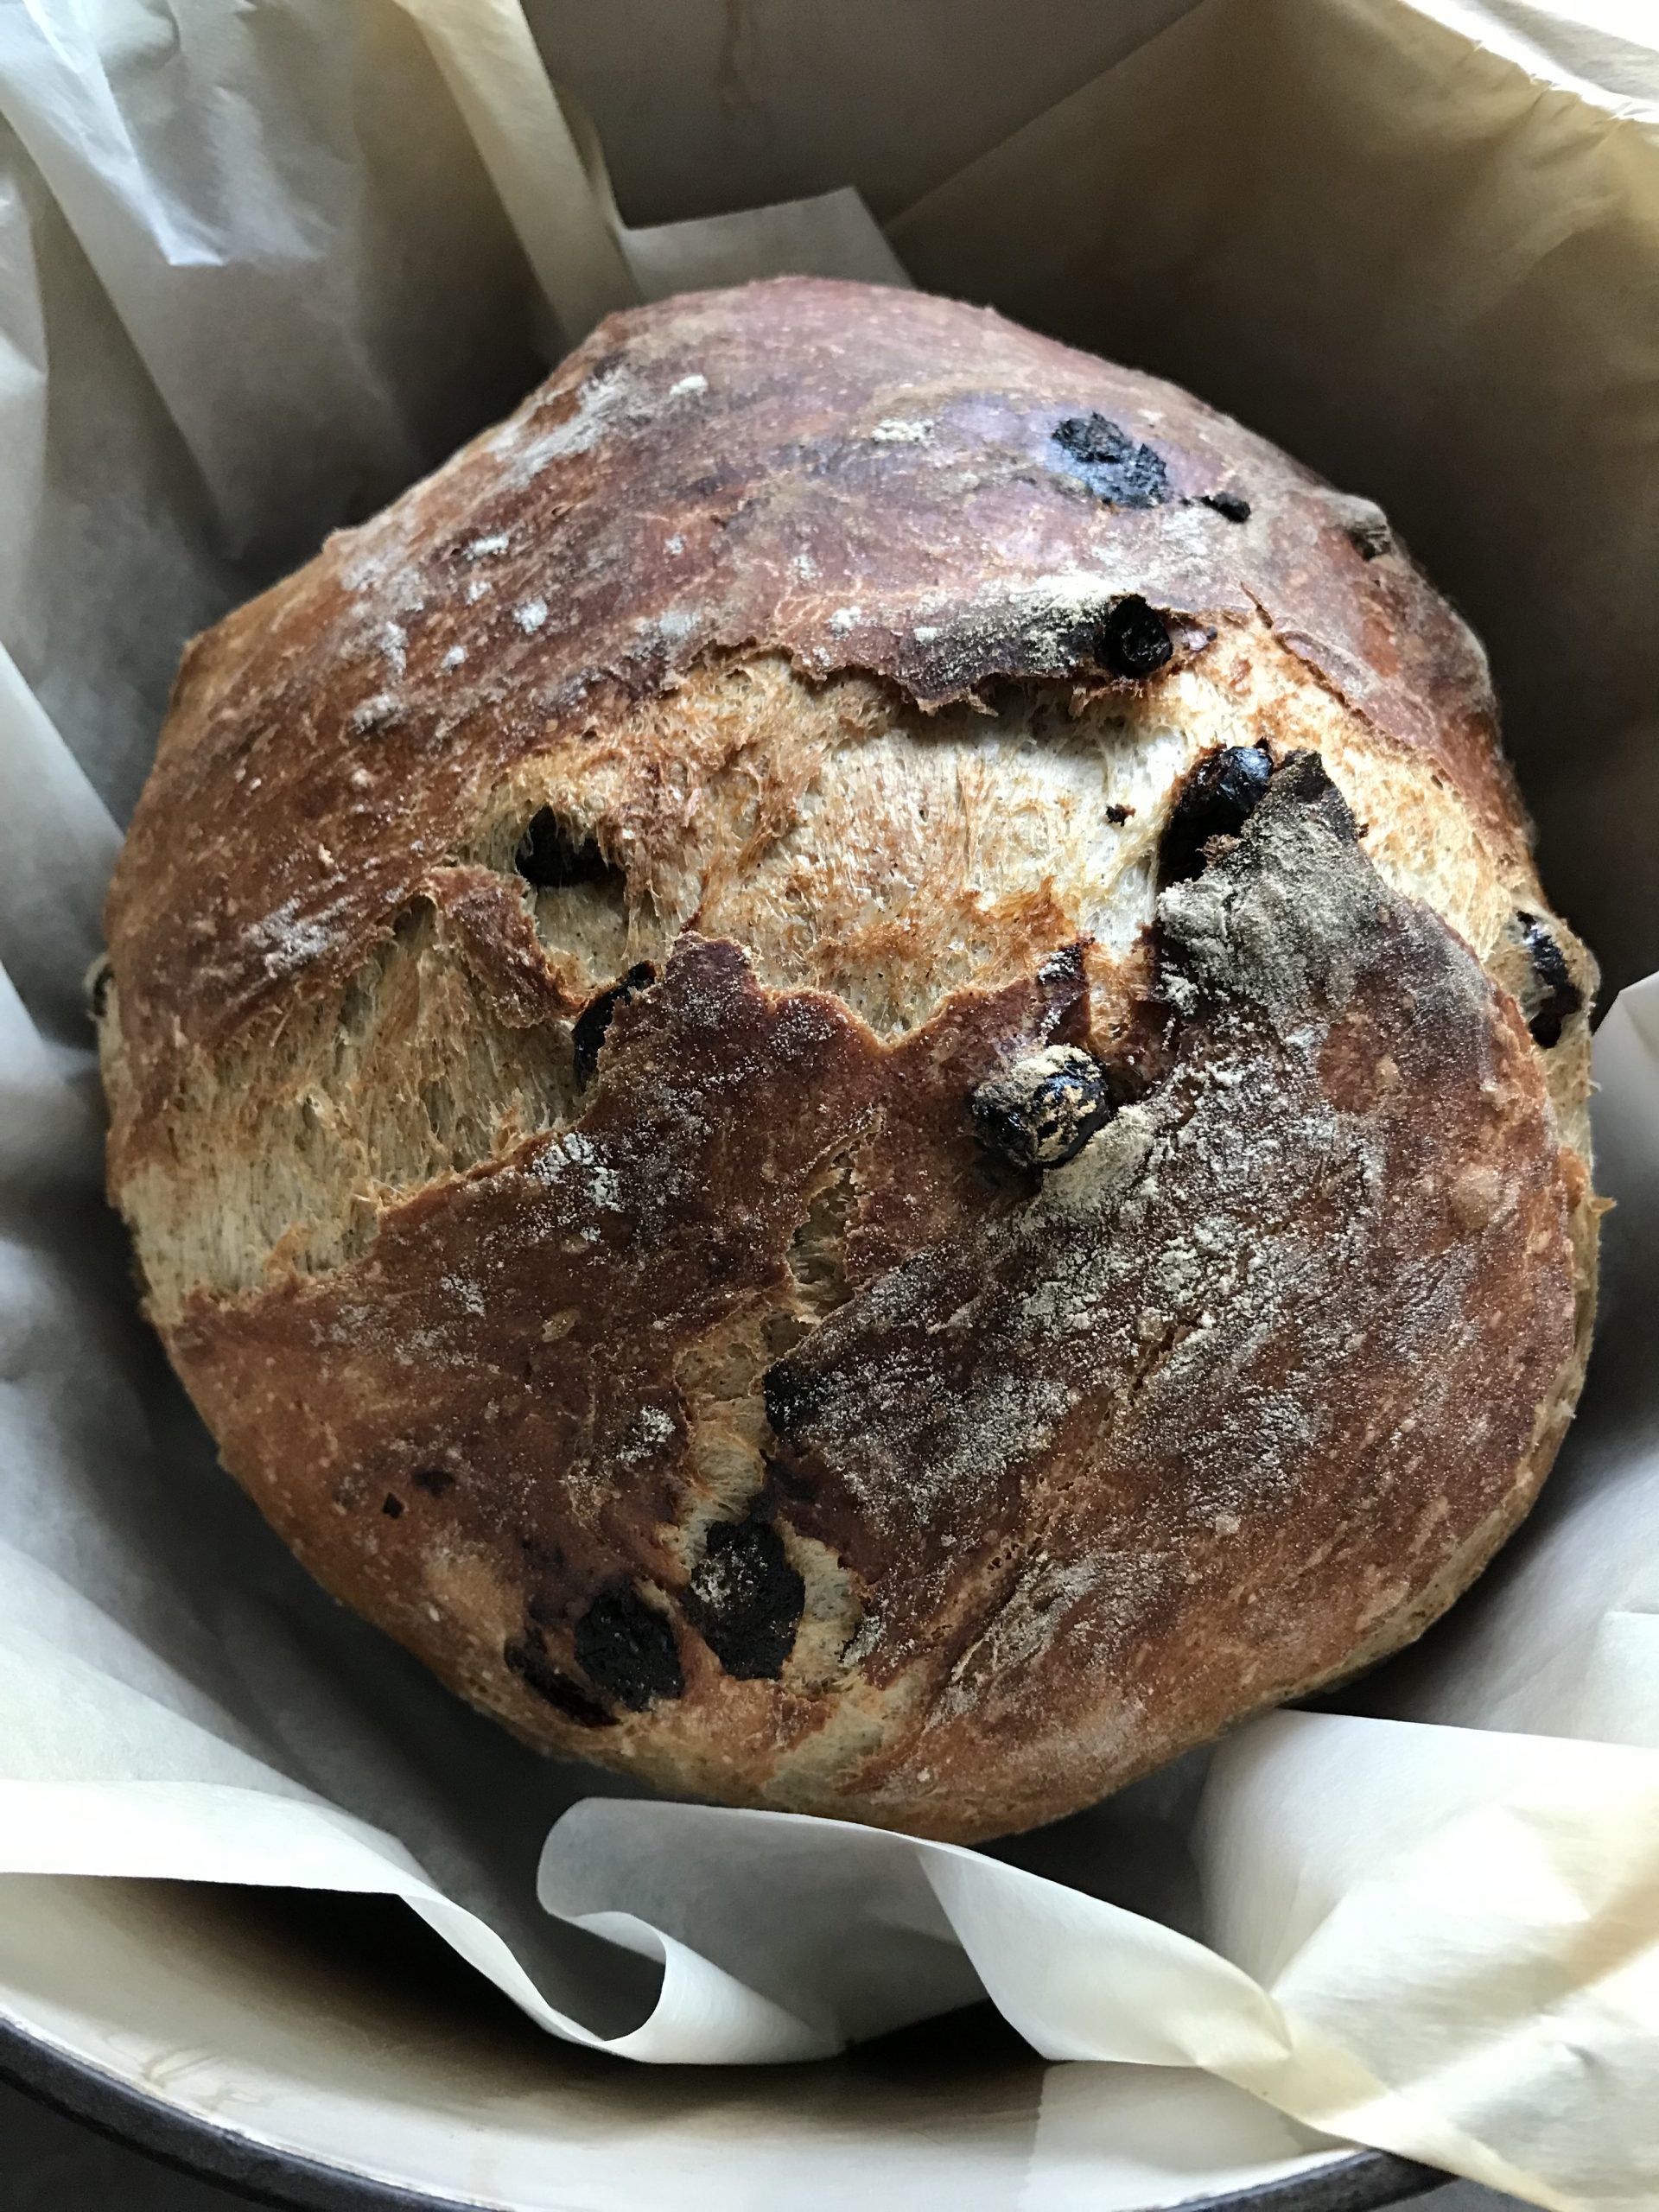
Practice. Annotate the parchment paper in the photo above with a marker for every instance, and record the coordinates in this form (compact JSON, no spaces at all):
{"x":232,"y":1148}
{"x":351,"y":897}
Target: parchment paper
{"x":260,"y":266}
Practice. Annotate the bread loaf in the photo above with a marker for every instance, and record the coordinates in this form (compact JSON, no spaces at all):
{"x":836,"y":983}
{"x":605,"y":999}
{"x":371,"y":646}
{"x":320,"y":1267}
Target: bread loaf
{"x":841,"y":1070}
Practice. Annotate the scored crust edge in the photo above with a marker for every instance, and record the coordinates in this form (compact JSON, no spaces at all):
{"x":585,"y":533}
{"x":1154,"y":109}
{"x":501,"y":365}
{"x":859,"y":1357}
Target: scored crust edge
{"x":1274,"y":696}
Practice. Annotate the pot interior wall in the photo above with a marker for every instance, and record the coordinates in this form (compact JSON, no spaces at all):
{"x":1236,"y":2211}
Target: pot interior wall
{"x":308,"y":2030}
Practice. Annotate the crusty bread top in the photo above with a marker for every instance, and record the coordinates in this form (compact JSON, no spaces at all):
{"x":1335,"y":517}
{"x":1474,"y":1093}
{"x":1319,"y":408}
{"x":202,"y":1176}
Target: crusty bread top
{"x":760,"y":468}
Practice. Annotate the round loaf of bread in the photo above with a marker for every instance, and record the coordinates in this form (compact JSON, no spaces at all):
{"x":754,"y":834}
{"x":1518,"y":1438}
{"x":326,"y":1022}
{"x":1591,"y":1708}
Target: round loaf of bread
{"x":842,"y":1071}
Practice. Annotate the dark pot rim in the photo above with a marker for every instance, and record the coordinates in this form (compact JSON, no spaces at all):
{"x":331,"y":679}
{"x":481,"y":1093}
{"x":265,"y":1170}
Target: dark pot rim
{"x":143,"y":2122}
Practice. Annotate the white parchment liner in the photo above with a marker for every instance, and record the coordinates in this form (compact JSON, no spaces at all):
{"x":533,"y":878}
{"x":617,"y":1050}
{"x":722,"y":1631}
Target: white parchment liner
{"x":260,"y":267}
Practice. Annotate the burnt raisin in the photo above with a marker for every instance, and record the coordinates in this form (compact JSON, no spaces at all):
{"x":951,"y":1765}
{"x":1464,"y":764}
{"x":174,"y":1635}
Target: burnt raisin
{"x":393,"y":1507}
{"x":1553,"y":994}
{"x":527,"y":1657}
{"x":1116,"y":466}
{"x":1220,"y":794}
{"x":1131,"y":640}
{"x":626,"y":1649}
{"x":1229,"y":505}
{"x":1043,"y":1110}
{"x":745,"y":1599}
{"x":1370,"y":537}
{"x":791,"y":1400}
{"x":553,"y":854}
{"x":434,"y":1481}
{"x":595,"y":1019}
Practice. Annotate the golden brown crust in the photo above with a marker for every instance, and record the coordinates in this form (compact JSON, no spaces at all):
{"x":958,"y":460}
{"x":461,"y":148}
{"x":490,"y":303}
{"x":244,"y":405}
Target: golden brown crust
{"x":683,"y":1378}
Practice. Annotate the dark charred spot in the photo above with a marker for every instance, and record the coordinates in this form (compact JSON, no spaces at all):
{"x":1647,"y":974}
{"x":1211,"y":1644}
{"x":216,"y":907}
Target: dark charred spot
{"x":1116,"y":466}
{"x":98,"y":989}
{"x":434,"y":1481}
{"x":1222,"y":791}
{"x":1117,"y":815}
{"x":1043,"y":1110}
{"x":1231,"y":505}
{"x":1553,"y":994}
{"x":1131,"y":640}
{"x":745,"y":1599}
{"x":792,"y":1399}
{"x":393,"y":1507}
{"x":626,"y":1649}
{"x":553,"y":854}
{"x":526,"y":1656}
{"x":595,"y":1019}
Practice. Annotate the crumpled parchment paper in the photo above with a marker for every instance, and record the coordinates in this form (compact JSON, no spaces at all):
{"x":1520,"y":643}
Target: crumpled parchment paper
{"x":260,"y":266}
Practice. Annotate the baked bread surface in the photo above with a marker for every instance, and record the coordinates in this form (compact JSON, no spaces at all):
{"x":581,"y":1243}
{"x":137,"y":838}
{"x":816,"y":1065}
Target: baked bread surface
{"x":841,"y":1070}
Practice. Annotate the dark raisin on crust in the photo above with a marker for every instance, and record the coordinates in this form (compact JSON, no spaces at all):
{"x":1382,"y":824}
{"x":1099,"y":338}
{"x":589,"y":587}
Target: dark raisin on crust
{"x":594,"y":1020}
{"x":1222,"y":791}
{"x":393,"y":1507}
{"x":626,"y":1649}
{"x":1041,"y":1112}
{"x":1229,"y":505}
{"x":553,"y":854}
{"x":1116,"y":466}
{"x":1554,"y":996}
{"x":526,"y":1656}
{"x":1131,"y":640}
{"x":745,"y":1599}
{"x":434,"y":1481}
